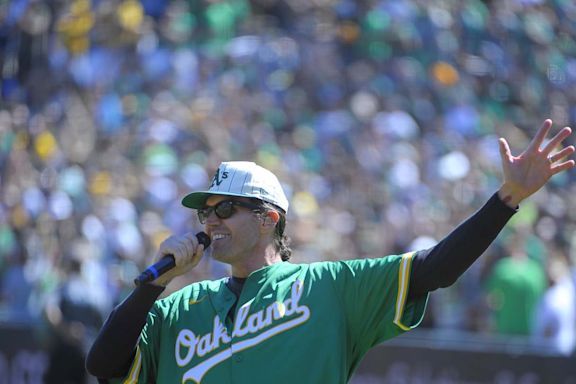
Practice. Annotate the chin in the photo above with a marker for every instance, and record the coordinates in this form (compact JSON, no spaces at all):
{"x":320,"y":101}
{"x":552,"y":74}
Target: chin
{"x":221,"y":257}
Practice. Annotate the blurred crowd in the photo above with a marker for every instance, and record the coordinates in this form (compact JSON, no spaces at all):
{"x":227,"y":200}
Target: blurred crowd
{"x":380,"y":117}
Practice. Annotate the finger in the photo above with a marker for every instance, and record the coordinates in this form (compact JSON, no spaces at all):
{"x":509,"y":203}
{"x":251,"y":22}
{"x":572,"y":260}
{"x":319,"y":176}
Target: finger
{"x":195,"y":250}
{"x":191,"y":242}
{"x":196,"y":245}
{"x":540,"y":135}
{"x":556,"y":140}
{"x":168,"y":247}
{"x":180,"y":254}
{"x":188,"y":247}
{"x":505,"y":154}
{"x":562,"y":154}
{"x":557,"y":168}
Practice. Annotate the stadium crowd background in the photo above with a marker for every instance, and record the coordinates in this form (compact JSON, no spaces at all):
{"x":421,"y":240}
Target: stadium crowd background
{"x":380,"y":117}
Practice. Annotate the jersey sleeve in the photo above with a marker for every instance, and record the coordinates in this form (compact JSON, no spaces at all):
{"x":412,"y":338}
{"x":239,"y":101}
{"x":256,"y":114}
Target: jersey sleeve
{"x":144,"y":364}
{"x":374,"y":297}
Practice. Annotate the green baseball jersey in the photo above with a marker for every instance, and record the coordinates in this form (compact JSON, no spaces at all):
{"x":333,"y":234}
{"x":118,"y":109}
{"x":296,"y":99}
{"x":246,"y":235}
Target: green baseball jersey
{"x":294,"y":323}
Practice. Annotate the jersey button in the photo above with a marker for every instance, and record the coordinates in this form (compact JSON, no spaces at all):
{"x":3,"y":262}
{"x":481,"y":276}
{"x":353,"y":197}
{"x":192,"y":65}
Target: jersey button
{"x":238,"y":358}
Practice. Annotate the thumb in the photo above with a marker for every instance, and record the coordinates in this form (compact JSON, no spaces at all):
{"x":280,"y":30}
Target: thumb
{"x":505,"y":154}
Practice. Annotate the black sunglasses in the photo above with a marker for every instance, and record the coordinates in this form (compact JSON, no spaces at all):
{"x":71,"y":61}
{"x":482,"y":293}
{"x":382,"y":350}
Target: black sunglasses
{"x":225,"y":209}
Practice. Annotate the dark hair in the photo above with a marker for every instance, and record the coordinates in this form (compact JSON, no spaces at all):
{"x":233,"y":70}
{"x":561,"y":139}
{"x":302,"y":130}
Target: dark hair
{"x":281,"y":241}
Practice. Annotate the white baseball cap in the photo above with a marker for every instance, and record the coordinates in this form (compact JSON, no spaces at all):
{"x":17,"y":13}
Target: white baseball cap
{"x":242,"y":179}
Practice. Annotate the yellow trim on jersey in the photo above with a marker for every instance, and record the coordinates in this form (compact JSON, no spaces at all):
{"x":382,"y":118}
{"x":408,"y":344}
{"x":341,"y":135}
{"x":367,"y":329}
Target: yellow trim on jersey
{"x":132,"y":377}
{"x":403,"y":282}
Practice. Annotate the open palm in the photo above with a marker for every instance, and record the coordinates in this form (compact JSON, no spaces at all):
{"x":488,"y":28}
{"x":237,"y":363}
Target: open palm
{"x":529,"y":171}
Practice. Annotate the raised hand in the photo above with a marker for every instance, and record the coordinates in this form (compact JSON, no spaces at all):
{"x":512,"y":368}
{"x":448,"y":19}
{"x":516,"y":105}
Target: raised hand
{"x":187,"y":252}
{"x":529,"y":171}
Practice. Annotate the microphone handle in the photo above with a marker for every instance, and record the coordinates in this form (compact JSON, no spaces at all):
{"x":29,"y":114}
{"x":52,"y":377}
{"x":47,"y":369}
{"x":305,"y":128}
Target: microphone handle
{"x":154,"y":271}
{"x":166,"y":263}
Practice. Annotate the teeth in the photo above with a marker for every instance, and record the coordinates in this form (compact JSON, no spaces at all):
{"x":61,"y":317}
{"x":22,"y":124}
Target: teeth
{"x":218,"y":236}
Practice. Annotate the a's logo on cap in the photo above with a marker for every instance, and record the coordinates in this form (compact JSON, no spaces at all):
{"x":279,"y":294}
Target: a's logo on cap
{"x":218,"y":178}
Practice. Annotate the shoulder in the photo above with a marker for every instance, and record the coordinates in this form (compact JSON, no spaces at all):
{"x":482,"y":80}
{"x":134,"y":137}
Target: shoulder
{"x":354,"y":266}
{"x":192,"y":292}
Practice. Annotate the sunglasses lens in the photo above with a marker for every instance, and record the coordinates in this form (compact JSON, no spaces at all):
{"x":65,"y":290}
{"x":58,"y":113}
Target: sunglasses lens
{"x":224,"y":209}
{"x":203,"y":214}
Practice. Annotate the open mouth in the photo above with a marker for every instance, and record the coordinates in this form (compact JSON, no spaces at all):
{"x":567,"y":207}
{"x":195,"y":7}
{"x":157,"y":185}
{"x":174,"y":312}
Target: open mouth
{"x":219,"y":236}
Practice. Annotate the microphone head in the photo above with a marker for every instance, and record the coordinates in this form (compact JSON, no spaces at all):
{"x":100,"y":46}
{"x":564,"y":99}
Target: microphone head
{"x":203,"y":239}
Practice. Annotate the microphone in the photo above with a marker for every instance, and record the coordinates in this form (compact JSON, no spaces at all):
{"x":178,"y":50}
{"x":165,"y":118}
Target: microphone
{"x":166,"y":263}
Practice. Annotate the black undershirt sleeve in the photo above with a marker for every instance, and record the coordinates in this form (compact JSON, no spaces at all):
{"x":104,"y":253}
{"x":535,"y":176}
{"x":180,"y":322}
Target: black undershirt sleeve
{"x":112,"y":352}
{"x":441,"y":265}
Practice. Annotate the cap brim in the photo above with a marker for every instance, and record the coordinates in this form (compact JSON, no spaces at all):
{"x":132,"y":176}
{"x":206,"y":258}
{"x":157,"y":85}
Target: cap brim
{"x":196,"y":200}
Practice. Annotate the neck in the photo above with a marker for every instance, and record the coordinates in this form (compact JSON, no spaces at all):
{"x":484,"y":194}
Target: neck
{"x":244,"y":269}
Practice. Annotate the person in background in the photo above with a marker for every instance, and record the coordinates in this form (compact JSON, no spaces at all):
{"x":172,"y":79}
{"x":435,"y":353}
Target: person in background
{"x":554,"y":320}
{"x":514,"y":287}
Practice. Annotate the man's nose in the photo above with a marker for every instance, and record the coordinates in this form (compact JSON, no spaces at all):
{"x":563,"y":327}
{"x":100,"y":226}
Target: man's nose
{"x":212,"y":217}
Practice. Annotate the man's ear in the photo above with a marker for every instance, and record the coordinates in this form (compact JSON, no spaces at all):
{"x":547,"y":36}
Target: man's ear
{"x":271,"y":219}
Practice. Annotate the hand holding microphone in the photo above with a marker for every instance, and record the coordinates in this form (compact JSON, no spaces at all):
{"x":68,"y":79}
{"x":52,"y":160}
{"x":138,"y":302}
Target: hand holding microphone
{"x":177,"y":254}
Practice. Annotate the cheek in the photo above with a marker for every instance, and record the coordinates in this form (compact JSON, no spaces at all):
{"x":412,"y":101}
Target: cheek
{"x":248,"y":232}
